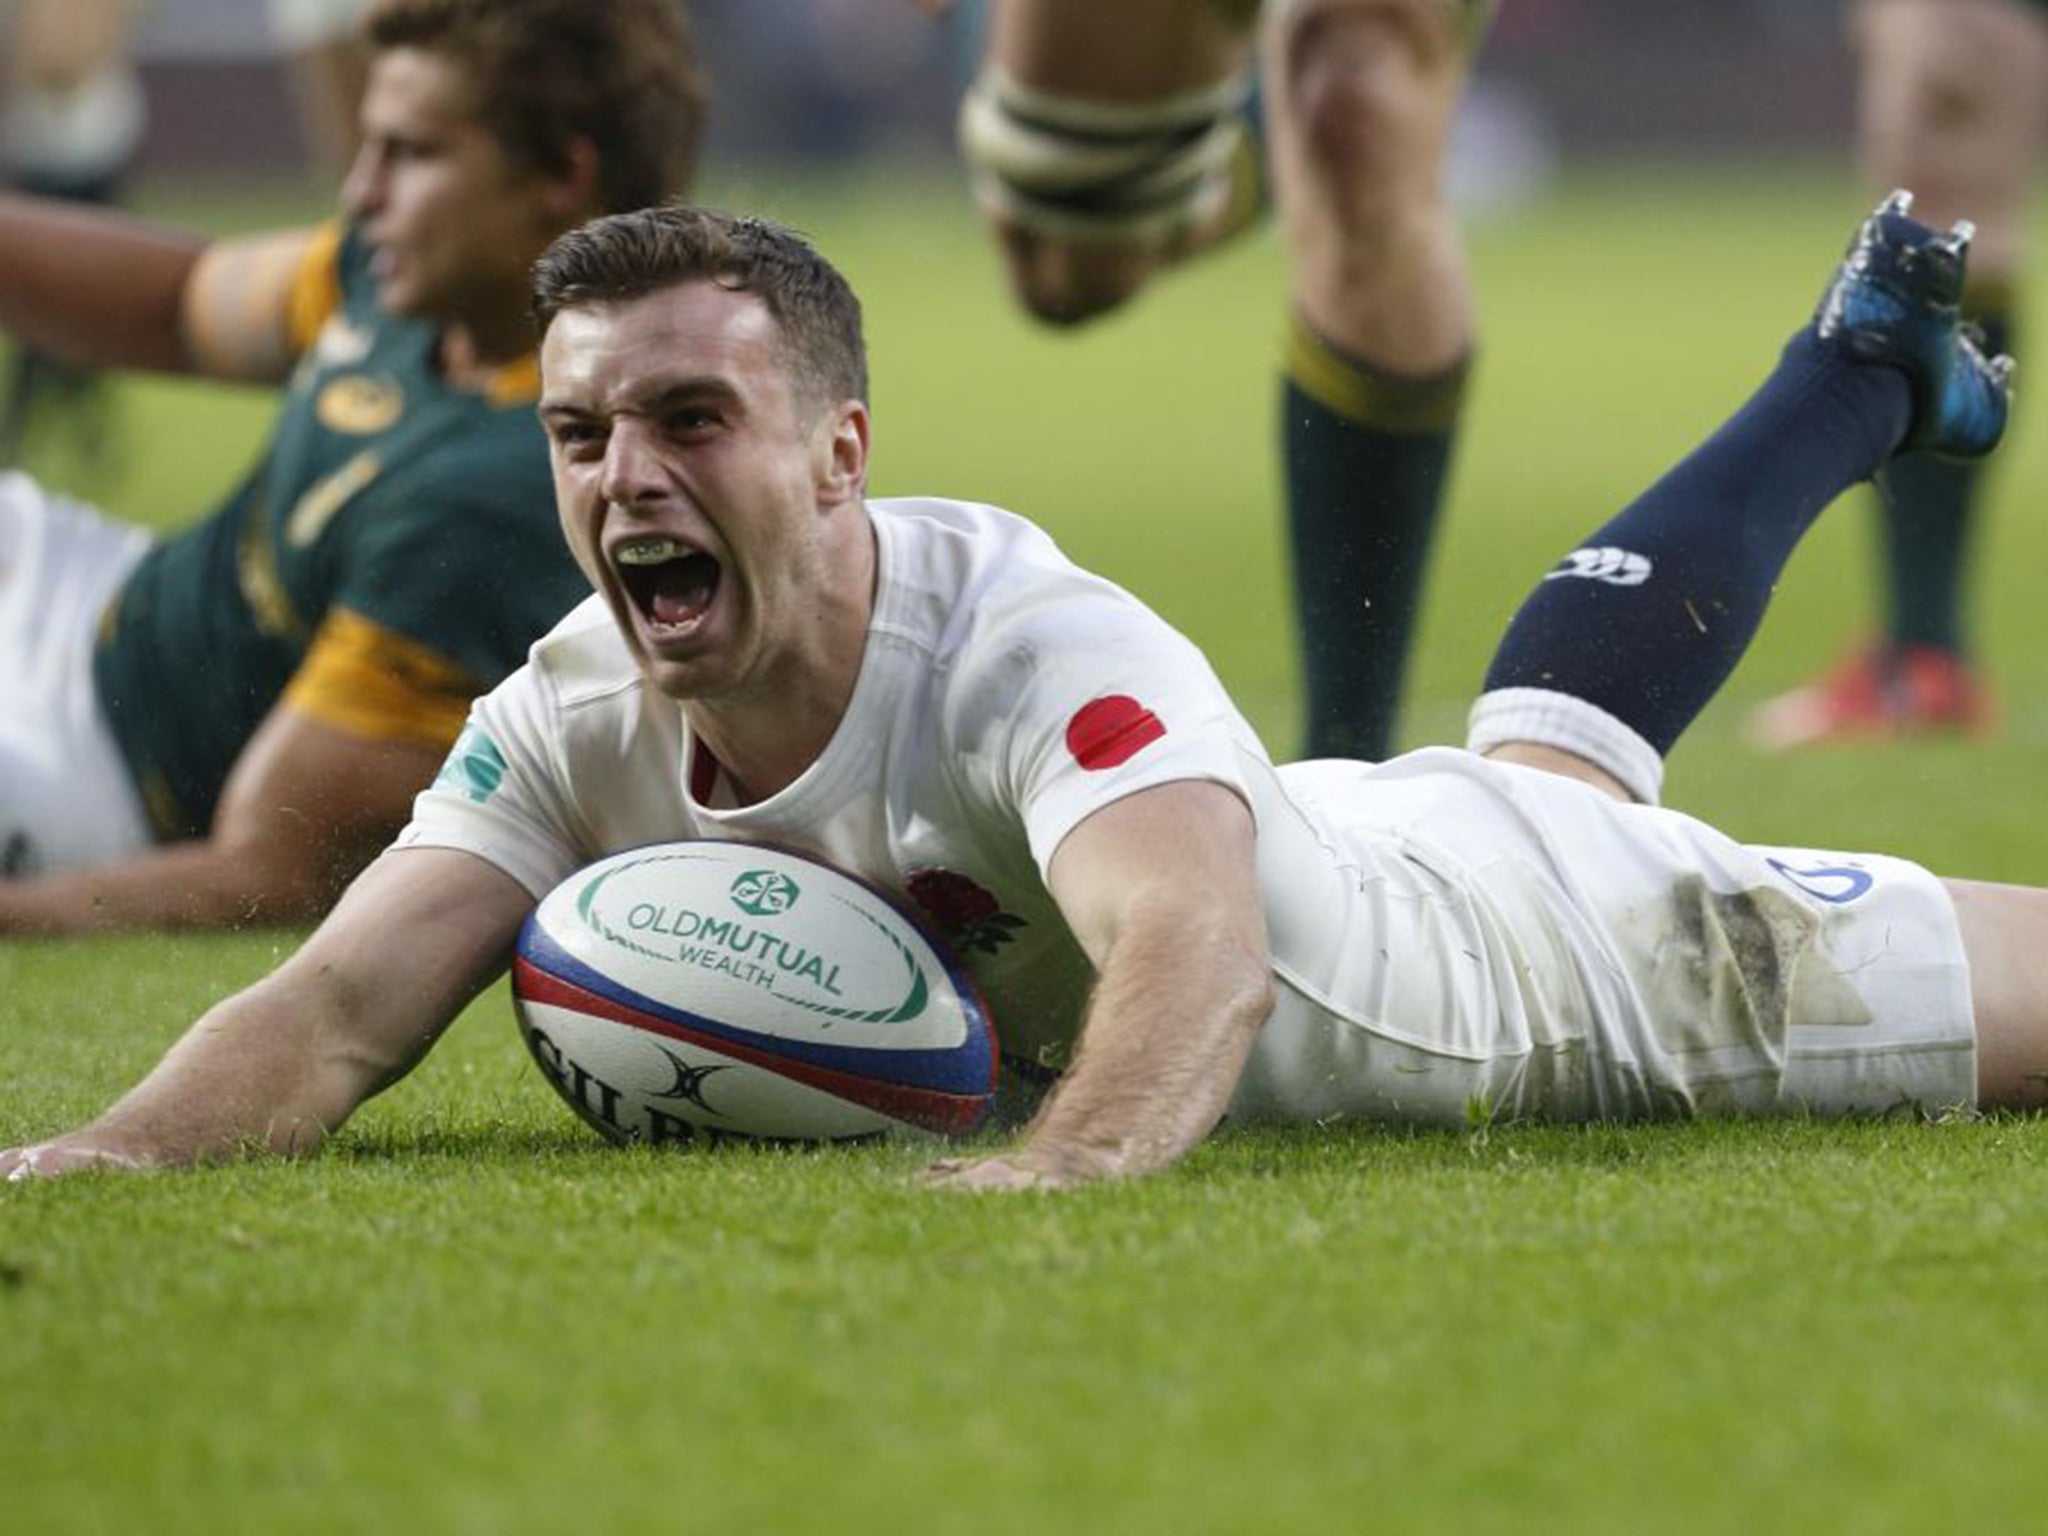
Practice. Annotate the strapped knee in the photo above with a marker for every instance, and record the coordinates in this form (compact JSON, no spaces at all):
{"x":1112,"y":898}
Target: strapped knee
{"x":1140,"y":173}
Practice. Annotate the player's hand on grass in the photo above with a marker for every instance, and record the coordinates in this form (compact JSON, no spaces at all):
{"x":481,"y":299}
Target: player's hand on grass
{"x":54,"y":1159}
{"x":1005,"y":1171}
{"x":983,"y":1173}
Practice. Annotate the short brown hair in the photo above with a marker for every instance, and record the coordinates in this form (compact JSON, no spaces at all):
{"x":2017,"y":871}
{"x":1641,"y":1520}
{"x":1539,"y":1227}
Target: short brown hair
{"x":620,"y":73}
{"x":626,"y":256}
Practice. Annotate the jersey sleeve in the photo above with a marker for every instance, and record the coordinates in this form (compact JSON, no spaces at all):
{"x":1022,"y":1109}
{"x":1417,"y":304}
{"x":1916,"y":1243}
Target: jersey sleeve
{"x":369,"y":681}
{"x":315,"y":287}
{"x":502,"y":793}
{"x":1091,"y":699}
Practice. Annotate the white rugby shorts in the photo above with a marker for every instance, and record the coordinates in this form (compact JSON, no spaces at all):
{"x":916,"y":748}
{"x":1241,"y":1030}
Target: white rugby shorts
{"x":66,"y":796}
{"x":1500,"y":942}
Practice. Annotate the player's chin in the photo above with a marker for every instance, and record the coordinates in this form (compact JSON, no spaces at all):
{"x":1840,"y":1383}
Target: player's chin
{"x":404,"y":291}
{"x":682,"y":660}
{"x":681,"y":678}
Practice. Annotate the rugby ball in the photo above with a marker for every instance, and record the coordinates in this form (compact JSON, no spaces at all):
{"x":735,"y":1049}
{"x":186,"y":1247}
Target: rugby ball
{"x":713,"y":989}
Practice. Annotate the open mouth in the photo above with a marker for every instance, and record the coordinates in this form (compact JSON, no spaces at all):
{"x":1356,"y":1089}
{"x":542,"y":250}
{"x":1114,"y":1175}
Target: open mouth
{"x":671,"y":584}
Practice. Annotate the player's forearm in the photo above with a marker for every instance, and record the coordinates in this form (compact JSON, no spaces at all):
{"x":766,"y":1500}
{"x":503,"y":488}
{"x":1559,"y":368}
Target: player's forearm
{"x":180,"y":885}
{"x":93,"y":287}
{"x":259,"y":1072}
{"x":283,"y":1064}
{"x":1173,"y":1019}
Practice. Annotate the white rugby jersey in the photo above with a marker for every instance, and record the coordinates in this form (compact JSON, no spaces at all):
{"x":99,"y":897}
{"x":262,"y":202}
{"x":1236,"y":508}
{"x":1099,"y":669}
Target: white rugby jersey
{"x":1003,"y":696}
{"x":1445,"y":931}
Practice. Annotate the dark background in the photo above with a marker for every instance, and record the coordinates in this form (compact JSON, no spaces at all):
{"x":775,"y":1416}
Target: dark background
{"x":832,"y":80}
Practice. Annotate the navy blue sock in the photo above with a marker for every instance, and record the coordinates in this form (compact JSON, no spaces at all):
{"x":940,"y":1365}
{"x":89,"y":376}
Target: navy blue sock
{"x":1650,"y":616}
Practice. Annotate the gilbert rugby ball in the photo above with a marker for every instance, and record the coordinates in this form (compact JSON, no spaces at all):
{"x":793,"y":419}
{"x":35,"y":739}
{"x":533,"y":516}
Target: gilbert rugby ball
{"x":718,"y":989}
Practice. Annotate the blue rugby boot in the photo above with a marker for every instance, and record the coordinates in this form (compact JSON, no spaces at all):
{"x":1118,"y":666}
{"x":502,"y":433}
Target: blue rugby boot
{"x":1897,"y":299}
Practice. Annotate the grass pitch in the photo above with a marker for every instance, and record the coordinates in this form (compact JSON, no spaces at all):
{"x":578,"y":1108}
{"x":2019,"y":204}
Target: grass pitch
{"x":469,"y":1316}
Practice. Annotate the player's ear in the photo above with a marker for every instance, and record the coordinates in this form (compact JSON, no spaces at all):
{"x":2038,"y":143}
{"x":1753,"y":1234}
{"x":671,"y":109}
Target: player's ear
{"x":571,"y":194}
{"x":846,"y":471}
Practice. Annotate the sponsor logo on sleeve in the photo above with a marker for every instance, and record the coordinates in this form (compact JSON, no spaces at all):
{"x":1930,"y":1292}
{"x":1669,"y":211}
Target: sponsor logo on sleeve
{"x":475,"y":767}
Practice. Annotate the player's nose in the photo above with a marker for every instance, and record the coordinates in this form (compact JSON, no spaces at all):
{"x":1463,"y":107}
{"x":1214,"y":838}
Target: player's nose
{"x":362,"y":189}
{"x":633,"y":471}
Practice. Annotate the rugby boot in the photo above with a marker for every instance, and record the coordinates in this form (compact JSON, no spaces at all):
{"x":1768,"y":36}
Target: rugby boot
{"x":1897,"y":299}
{"x":1879,"y":692}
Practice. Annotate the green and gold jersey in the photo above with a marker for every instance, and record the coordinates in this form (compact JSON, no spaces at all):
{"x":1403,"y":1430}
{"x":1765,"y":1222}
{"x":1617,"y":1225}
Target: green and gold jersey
{"x":393,"y":554}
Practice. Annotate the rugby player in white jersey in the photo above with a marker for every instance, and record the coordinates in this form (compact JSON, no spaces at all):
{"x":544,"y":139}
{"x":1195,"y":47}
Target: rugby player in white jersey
{"x":927,"y":693}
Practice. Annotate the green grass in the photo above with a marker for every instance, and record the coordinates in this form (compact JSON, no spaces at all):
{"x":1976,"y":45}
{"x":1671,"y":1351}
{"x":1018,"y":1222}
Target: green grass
{"x":468,"y":1316}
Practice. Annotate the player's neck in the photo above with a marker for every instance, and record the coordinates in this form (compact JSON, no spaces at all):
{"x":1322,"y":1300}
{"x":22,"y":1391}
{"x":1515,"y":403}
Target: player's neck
{"x":472,"y":352}
{"x":766,"y":734}
{"x":766,"y":739}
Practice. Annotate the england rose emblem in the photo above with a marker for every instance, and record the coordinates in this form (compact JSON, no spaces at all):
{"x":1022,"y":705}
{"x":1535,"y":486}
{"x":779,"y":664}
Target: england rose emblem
{"x":962,"y":910}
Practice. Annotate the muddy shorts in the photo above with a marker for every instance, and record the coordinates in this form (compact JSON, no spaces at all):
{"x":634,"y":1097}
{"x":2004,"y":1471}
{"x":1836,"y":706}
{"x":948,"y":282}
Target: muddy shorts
{"x":1500,"y":942}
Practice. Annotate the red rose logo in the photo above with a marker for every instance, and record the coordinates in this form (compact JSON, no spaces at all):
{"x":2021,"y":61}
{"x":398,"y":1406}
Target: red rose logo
{"x":952,"y":901}
{"x":962,"y":910}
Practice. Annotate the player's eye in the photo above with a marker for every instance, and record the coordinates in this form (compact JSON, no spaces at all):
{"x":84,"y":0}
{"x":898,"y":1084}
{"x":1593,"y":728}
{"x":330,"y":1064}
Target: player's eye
{"x":409,"y":149}
{"x":576,"y":438}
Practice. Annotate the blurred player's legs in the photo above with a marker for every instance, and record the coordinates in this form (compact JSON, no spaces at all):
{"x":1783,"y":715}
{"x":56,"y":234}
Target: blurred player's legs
{"x":74,"y":120}
{"x":1361,"y":98}
{"x":1110,"y":142}
{"x":1953,"y":103}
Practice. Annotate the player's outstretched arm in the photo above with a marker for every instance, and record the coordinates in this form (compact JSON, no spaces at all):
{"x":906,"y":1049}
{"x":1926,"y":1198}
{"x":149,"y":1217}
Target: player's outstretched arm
{"x":306,"y":807}
{"x":102,"y":289}
{"x":280,"y":1066}
{"x":1161,"y":889}
{"x":93,"y":287}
